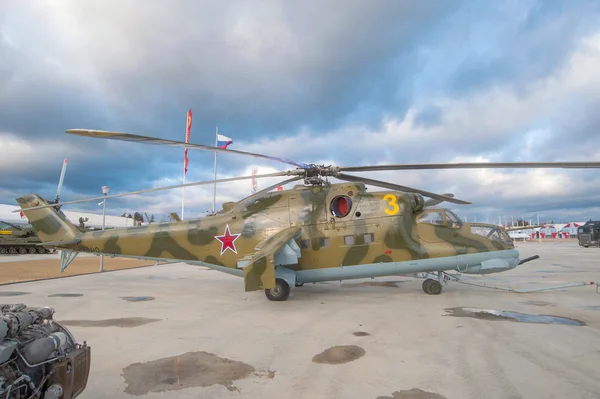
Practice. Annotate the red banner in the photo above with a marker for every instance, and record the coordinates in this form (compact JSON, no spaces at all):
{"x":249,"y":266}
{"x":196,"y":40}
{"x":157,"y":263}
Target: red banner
{"x":187,"y":140}
{"x":189,"y":126}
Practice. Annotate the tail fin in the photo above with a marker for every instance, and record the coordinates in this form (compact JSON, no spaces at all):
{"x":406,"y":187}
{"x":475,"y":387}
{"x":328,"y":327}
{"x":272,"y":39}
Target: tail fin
{"x":50,"y":225}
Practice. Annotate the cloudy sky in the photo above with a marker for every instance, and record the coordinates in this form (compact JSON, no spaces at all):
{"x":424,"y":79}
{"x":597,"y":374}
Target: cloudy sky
{"x":332,"y":82}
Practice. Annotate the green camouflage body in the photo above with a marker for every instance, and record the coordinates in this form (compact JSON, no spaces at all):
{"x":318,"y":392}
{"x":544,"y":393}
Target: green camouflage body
{"x":367,"y":234}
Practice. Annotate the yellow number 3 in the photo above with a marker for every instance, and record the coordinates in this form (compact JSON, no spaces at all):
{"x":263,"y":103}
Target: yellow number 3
{"x":391,"y":199}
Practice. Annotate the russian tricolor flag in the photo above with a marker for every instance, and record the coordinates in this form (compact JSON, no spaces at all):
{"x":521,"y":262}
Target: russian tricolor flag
{"x":223,"y":141}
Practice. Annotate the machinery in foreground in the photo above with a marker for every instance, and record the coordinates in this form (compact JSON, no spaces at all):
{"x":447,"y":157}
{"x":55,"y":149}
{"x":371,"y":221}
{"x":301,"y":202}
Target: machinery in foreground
{"x":19,"y":240}
{"x":39,"y":357}
{"x":589,"y":234}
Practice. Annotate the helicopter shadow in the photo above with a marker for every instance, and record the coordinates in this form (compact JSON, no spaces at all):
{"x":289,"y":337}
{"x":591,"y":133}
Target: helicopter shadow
{"x":357,"y":289}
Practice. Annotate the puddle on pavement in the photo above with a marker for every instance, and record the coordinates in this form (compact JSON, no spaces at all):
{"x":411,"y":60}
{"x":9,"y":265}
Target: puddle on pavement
{"x":492,"y":314}
{"x":361,"y":333}
{"x":414,"y":393}
{"x":192,"y":369}
{"x":591,"y":307}
{"x":339,"y":354}
{"x":13,"y":293}
{"x":64,"y":295}
{"x":393,"y":284}
{"x":125,"y":322}
{"x":137,"y":298}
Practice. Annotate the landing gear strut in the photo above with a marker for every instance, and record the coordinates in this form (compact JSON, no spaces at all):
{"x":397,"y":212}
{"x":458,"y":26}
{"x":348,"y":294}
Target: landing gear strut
{"x":281,"y":292}
{"x":432,"y":287}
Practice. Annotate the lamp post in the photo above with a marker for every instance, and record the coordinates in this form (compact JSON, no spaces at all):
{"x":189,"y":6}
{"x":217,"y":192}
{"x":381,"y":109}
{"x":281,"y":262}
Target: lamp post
{"x":105,"y":190}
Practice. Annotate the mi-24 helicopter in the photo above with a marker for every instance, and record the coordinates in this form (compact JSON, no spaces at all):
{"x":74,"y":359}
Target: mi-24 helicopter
{"x":315,"y":232}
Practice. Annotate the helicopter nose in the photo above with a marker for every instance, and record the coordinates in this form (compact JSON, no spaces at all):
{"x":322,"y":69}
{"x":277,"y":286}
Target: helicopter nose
{"x":514,"y":261}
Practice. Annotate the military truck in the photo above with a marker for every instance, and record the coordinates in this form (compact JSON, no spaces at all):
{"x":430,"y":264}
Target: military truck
{"x":19,"y":240}
{"x":589,"y":234}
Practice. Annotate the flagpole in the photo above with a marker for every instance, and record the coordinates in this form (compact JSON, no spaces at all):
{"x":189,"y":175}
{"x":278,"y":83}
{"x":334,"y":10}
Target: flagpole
{"x":188,"y":127}
{"x":215,"y":169}
{"x":183,"y":193}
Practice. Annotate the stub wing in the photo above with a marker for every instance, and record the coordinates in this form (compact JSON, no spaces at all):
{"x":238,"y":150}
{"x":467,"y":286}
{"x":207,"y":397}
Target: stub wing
{"x":259,"y":272}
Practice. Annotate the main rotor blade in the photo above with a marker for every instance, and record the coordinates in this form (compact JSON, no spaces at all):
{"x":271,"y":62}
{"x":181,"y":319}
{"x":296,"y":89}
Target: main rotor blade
{"x":277,"y":174}
{"x":398,"y":187}
{"x":472,"y":165}
{"x":433,"y":202}
{"x":102,"y":134}
{"x":248,"y":200}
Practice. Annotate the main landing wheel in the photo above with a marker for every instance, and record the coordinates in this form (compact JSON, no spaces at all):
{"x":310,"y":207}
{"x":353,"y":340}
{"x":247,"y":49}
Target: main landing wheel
{"x":432,"y":287}
{"x":281,"y":292}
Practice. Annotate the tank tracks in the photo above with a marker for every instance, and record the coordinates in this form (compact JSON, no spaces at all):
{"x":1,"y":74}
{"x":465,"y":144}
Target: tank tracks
{"x":17,"y":249}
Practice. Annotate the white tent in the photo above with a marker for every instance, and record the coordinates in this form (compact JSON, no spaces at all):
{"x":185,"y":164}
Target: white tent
{"x":94,"y":220}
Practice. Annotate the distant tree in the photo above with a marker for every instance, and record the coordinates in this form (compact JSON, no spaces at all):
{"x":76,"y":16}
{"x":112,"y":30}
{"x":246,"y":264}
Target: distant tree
{"x":149,"y":219}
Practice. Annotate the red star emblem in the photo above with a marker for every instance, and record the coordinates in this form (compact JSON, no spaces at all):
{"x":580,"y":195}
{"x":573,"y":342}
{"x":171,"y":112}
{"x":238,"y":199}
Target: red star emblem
{"x":227,"y":241}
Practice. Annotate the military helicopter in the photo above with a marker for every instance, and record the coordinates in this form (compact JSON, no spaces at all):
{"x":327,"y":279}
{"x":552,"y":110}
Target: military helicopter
{"x":315,"y":232}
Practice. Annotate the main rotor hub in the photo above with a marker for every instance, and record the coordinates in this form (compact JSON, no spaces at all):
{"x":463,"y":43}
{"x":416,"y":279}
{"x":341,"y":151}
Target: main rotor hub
{"x":313,"y":174}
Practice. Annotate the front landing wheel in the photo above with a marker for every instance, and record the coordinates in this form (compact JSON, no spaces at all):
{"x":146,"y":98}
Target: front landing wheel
{"x":281,"y":292}
{"x":432,"y":287}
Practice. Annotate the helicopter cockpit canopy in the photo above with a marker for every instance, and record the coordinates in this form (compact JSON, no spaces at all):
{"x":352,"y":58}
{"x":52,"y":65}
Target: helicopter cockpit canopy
{"x":440,"y":217}
{"x":447,"y":218}
{"x":492,"y":232}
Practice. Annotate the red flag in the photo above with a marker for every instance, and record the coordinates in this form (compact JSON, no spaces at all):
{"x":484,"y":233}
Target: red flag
{"x":21,"y":214}
{"x":187,"y":140}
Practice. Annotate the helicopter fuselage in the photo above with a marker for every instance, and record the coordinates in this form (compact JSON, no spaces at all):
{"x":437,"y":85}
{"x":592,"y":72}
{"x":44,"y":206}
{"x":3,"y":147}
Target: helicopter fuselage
{"x":343,"y":227}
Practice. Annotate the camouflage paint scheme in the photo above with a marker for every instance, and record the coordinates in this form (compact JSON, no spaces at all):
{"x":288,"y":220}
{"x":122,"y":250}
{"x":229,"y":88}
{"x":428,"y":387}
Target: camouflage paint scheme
{"x":380,"y":227}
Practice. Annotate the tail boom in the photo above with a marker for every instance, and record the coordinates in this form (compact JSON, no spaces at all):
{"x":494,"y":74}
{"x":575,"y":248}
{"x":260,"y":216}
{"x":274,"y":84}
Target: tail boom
{"x":50,"y":224}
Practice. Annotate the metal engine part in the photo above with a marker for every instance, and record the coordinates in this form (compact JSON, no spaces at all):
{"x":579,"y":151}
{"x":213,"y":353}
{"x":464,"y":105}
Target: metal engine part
{"x":39,"y":357}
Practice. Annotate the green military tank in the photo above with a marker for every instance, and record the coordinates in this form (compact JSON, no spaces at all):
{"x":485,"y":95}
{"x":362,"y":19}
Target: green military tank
{"x":19,"y":240}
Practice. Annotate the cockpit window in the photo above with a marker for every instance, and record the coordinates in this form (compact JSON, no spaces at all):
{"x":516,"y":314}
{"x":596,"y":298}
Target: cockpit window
{"x":493,"y":233}
{"x":453,"y":220}
{"x":431,"y":217}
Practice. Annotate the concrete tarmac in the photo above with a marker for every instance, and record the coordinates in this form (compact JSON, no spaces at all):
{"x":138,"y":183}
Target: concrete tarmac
{"x":179,"y":331}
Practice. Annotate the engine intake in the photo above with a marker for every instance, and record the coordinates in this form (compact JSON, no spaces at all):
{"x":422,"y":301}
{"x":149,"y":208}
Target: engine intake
{"x":415,"y":201}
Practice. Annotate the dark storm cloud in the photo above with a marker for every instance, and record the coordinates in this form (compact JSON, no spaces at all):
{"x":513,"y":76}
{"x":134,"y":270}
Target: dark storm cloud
{"x":263,"y":69}
{"x":533,"y":44}
{"x":270,"y":69}
{"x":115,"y":66}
